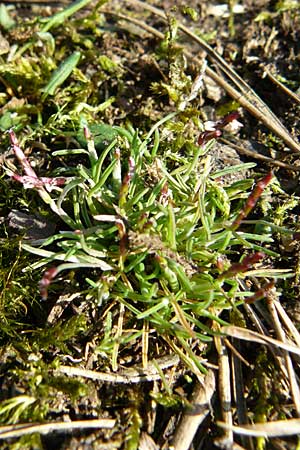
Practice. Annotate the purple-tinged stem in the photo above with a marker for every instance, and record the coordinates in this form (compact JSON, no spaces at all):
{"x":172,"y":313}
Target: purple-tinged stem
{"x":261,"y":293}
{"x":242,"y":266}
{"x":252,"y":200}
{"x":45,"y":282}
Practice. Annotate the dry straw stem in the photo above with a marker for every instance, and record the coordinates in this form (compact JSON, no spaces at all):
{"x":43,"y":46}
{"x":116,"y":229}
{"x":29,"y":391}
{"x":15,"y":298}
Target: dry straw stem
{"x":242,"y":92}
{"x":16,"y":431}
{"x":226,"y":441}
{"x":276,"y":352}
{"x":284,"y":88}
{"x":128,"y":376}
{"x":238,"y":392}
{"x":285,"y":361}
{"x":193,"y":417}
{"x":288,"y":360}
{"x":287,"y":322}
{"x":285,"y":331}
{"x":253,"y":154}
{"x":267,"y":430}
{"x":248,"y":335}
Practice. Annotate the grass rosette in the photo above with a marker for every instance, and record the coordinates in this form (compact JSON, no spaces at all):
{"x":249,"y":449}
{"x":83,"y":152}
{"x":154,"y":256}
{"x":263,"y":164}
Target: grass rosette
{"x":159,"y":239}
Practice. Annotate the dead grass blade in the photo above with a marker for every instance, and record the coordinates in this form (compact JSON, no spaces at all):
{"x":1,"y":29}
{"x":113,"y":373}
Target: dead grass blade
{"x":284,"y":88}
{"x":238,"y":392}
{"x":225,"y":441}
{"x":267,"y":430}
{"x":252,"y":336}
{"x":15,"y":431}
{"x":276,"y":352}
{"x":128,"y":376}
{"x":253,"y":154}
{"x":287,"y":322}
{"x":294,"y":386}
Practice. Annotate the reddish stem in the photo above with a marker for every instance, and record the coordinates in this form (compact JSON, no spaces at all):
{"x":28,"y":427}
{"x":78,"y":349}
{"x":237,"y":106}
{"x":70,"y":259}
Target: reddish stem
{"x":243,"y":266}
{"x":45,"y":282}
{"x":261,"y":293}
{"x":217,"y":128}
{"x":21,"y":156}
{"x":252,"y":200}
{"x":208,"y":136}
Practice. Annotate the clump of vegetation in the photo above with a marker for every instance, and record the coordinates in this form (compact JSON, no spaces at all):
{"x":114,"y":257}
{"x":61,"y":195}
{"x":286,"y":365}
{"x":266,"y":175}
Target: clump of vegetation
{"x":149,"y":250}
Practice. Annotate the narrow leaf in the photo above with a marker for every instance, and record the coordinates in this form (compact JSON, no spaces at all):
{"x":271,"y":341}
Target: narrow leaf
{"x":61,"y":74}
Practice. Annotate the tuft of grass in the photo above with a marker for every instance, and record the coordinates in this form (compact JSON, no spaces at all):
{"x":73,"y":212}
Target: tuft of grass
{"x":156,"y":246}
{"x":161,"y":242}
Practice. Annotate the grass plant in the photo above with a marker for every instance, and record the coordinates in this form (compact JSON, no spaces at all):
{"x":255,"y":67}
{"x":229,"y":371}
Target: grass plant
{"x":156,"y":247}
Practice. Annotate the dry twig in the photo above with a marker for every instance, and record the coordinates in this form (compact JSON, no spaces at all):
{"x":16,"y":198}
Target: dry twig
{"x":128,"y":376}
{"x":195,"y":415}
{"x":16,"y":431}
